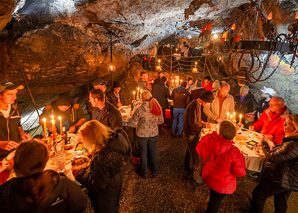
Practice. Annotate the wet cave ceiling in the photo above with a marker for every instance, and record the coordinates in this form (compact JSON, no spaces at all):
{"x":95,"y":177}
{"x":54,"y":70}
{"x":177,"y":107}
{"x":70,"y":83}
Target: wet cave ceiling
{"x":61,"y":44}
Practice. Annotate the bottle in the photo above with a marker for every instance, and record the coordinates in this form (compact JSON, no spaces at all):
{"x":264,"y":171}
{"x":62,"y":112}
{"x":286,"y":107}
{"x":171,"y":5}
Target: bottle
{"x":132,"y":106}
{"x":60,"y":158}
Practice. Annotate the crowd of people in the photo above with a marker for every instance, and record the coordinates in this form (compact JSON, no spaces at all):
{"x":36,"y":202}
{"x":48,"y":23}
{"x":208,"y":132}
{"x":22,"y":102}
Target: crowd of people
{"x":195,"y":104}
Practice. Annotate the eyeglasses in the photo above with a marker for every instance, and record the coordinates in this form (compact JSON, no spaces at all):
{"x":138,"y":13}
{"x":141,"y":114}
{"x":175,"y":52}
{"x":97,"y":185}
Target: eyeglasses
{"x":287,"y":124}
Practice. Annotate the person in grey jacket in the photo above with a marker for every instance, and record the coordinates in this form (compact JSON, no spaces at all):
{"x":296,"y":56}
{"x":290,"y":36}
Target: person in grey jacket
{"x":146,"y":119}
{"x":280,"y":172}
{"x":222,"y":104}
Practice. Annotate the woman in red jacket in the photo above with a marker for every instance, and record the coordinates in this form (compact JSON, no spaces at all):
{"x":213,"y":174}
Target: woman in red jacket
{"x":225,"y":164}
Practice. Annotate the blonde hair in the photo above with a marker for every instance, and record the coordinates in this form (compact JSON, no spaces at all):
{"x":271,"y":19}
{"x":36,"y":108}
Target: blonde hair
{"x":246,"y":88}
{"x":294,"y":120}
{"x":95,"y":133}
{"x":154,"y":105}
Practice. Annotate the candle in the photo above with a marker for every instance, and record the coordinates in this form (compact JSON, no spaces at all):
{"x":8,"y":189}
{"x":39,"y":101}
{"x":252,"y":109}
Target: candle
{"x":138,"y":92}
{"x":53,"y":128}
{"x":61,"y":127}
{"x":141,"y":93}
{"x":234,"y":115}
{"x":228,"y":116}
{"x":134,"y":95}
{"x":231,"y":118}
{"x":240,"y":116}
{"x":44,"y":128}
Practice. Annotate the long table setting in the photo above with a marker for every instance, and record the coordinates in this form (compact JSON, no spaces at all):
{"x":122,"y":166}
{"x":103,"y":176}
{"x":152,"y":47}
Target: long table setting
{"x":249,"y":143}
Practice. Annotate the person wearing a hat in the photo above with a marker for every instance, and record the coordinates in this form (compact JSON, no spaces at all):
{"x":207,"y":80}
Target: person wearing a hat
{"x":11,"y":131}
{"x":114,"y":95}
{"x":100,"y":84}
{"x":222,"y":104}
{"x":192,"y":127}
{"x":71,"y":114}
{"x":36,"y":190}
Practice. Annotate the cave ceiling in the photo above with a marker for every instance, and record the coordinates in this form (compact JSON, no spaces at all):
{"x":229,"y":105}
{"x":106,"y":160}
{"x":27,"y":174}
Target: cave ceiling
{"x":64,"y":38}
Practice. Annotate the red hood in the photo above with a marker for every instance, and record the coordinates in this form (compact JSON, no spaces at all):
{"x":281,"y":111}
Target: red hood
{"x":217,"y":145}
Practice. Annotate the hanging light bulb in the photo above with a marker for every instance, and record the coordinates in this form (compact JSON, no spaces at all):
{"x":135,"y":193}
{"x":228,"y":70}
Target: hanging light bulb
{"x":112,"y":68}
{"x":215,"y":36}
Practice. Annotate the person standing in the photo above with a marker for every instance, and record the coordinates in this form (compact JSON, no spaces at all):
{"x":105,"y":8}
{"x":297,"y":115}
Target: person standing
{"x":146,"y":119}
{"x":161,"y":93}
{"x":280,"y":172}
{"x":105,"y":113}
{"x":190,"y":84}
{"x":225,"y":163}
{"x":143,"y":81}
{"x":181,"y":98}
{"x":157,"y":80}
{"x":114,"y":96}
{"x":11,"y":131}
{"x":222,"y":104}
{"x":109,"y":151}
{"x":192,"y":127}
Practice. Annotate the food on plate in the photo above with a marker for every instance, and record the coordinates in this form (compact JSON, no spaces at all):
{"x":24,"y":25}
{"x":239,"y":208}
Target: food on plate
{"x":53,"y":162}
{"x":52,"y":154}
{"x":68,"y":146}
{"x":68,"y":156}
{"x":80,"y":163}
{"x":259,"y":151}
{"x":240,"y":139}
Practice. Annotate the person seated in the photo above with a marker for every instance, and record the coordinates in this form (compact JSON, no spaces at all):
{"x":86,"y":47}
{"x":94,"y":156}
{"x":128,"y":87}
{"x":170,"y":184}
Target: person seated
{"x":223,"y":163}
{"x":11,"y":131}
{"x":71,"y":114}
{"x":109,"y":151}
{"x":215,"y":86}
{"x":207,"y":84}
{"x":36,"y":190}
{"x":114,"y":96}
{"x":267,"y":94}
{"x":280,"y":172}
{"x":243,"y":101}
{"x":271,"y":121}
{"x":105,"y":113}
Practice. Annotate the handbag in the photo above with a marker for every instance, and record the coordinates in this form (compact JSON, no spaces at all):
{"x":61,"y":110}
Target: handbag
{"x":197,"y":174}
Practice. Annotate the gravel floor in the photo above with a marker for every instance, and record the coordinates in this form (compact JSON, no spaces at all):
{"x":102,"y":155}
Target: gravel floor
{"x":168,"y":192}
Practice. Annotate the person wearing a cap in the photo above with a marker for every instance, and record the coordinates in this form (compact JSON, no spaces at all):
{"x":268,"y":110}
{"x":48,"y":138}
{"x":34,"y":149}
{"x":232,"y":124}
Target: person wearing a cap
{"x":222,"y":104}
{"x":267,"y":94}
{"x":71,"y":114}
{"x":36,"y":190}
{"x":105,"y":112}
{"x":271,"y":122}
{"x":192,"y":127}
{"x":114,"y":96}
{"x":11,"y":131}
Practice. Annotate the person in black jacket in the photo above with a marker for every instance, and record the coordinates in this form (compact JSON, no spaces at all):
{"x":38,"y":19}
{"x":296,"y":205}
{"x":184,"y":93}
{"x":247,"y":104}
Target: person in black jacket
{"x":114,"y":95}
{"x":35,"y":190}
{"x":110,"y":150}
{"x":161,"y":93}
{"x":280,"y":172}
{"x":243,"y":101}
{"x":105,"y":113}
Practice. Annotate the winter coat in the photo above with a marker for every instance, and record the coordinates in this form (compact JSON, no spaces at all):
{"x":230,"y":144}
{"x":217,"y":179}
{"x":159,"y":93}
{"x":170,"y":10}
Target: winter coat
{"x":281,"y":164}
{"x":145,"y":122}
{"x":226,"y":163}
{"x":9,"y":128}
{"x":65,"y":197}
{"x":212,"y":110}
{"x":208,"y":87}
{"x":272,"y":124}
{"x":161,"y":93}
{"x":180,"y":97}
{"x":103,"y":176}
{"x":196,"y":93}
{"x":245,"y":106}
{"x":192,"y":119}
{"x":113,"y":99}
{"x":110,"y":116}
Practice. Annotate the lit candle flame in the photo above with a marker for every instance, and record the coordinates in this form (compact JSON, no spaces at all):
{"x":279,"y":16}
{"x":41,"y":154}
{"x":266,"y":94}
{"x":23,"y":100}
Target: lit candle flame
{"x":269,"y":17}
{"x":233,"y":27}
{"x":296,"y":17}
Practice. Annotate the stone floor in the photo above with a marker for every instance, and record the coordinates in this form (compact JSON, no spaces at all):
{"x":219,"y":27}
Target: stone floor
{"x":168,"y":192}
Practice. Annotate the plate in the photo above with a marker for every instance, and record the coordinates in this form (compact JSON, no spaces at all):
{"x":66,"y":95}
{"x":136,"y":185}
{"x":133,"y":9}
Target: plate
{"x":240,"y":139}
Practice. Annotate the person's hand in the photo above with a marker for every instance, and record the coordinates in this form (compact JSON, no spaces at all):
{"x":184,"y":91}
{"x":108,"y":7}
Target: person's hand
{"x":25,"y":136}
{"x":268,"y":137}
{"x":10,"y":165}
{"x":119,"y":105}
{"x":8,"y":145}
{"x":72,"y":129}
{"x":251,"y":128}
{"x":218,"y":120}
